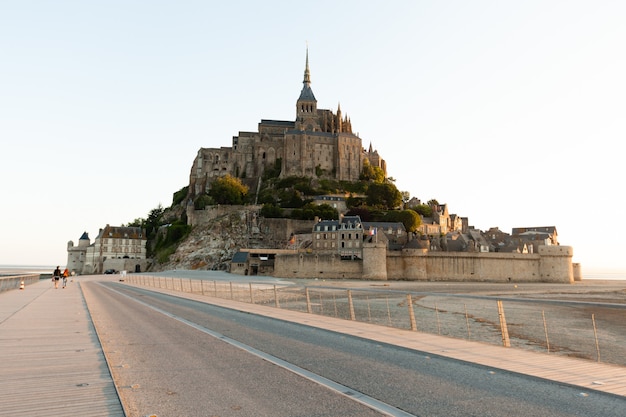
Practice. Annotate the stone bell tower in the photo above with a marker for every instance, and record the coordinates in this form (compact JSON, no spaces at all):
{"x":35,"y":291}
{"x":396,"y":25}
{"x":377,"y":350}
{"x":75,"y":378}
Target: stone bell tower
{"x":307,"y":118}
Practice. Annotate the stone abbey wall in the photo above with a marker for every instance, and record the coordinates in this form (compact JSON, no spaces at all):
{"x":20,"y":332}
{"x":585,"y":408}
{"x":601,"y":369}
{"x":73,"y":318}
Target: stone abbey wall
{"x":552,"y":264}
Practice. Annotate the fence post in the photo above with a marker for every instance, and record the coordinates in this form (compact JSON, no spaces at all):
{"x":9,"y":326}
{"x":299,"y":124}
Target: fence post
{"x":321,"y":304}
{"x":409,"y":302}
{"x":276,"y":297}
{"x":503,"y":328}
{"x":467,"y":323}
{"x":352,"y":315}
{"x":251,"y":294}
{"x":438,"y":323}
{"x":231,"y":290}
{"x":595,"y":335}
{"x":308,"y":300}
{"x":545,"y":329}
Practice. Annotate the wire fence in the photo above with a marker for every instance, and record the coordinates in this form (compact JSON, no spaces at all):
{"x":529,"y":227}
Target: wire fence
{"x":584,"y":330}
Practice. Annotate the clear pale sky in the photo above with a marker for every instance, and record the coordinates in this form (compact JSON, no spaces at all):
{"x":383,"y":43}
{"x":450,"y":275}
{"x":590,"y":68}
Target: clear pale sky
{"x":512,"y":113}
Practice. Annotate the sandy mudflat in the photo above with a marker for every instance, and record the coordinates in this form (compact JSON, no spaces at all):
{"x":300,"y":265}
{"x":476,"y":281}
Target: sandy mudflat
{"x":586,"y":319}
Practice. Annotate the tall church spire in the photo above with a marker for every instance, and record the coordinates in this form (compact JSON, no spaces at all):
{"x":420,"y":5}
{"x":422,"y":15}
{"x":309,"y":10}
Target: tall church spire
{"x":307,"y":73}
{"x":307,"y":94}
{"x":306,"y":107}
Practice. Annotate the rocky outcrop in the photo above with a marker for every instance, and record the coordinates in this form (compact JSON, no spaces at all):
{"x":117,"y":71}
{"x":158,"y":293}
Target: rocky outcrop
{"x":218,"y":234}
{"x":210,"y":246}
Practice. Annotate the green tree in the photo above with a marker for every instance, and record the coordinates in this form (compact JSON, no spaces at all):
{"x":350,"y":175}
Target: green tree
{"x":179,"y":196}
{"x":291,"y":199}
{"x":371,"y":173}
{"x":274,"y":171}
{"x":202,"y":201}
{"x":311,"y":210}
{"x":154,"y":220}
{"x":409,"y":218}
{"x":228,"y":190}
{"x":362,"y":212}
{"x":271,"y":211}
{"x":424,"y":210}
{"x":384,"y":195}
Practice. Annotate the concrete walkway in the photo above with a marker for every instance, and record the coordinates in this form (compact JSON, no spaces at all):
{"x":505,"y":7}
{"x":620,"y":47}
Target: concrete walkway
{"x":52,"y":363}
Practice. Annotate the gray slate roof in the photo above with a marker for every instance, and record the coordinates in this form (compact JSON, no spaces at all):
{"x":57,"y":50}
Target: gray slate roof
{"x":240,"y":257}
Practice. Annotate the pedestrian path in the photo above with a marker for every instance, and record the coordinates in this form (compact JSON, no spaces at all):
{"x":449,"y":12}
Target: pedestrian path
{"x":51,"y":361}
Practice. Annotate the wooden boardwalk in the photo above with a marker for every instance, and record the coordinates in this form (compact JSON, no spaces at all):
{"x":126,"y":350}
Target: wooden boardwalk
{"x":51,"y":361}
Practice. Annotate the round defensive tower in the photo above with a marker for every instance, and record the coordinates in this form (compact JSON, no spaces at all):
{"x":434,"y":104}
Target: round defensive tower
{"x":555,"y":264}
{"x":375,"y":260}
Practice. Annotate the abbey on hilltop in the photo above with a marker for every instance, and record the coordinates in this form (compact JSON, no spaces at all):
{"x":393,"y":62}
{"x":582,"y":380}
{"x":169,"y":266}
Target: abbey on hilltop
{"x":319,"y":143}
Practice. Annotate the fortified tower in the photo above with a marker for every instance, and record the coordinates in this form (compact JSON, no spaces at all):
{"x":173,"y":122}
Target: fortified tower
{"x":76,"y":255}
{"x":556,"y":263}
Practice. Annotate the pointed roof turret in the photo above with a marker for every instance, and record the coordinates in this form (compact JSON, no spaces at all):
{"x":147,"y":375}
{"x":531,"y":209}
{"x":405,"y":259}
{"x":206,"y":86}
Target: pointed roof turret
{"x":307,"y":94}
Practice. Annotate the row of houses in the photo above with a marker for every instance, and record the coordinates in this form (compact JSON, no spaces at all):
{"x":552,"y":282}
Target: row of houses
{"x":345,"y":237}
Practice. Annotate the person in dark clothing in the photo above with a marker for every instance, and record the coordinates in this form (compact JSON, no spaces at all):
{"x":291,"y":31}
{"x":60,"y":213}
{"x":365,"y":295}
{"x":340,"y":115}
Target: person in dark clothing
{"x":56,"y":276}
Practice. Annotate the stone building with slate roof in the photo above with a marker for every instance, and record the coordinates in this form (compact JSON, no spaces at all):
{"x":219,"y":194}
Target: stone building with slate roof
{"x":115,"y":247}
{"x":318,"y":143}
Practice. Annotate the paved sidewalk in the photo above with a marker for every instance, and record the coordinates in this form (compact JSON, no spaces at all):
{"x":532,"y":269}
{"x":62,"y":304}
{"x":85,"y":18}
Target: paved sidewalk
{"x":51,"y":359}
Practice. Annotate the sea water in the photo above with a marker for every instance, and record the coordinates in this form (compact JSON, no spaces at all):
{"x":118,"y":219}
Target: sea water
{"x":26,"y":269}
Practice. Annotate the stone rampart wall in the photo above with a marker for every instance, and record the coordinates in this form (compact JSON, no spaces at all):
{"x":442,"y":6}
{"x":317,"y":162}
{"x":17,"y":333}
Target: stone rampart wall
{"x":441,"y":266}
{"x":321,"y":266}
{"x":553,"y":265}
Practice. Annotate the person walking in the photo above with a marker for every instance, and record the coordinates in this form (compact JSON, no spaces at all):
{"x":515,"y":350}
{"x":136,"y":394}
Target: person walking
{"x":56,"y":276}
{"x":66,"y":273}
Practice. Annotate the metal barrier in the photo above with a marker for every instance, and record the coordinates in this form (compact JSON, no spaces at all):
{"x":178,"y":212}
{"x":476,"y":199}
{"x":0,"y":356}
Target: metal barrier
{"x":559,"y":328}
{"x":14,"y":282}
